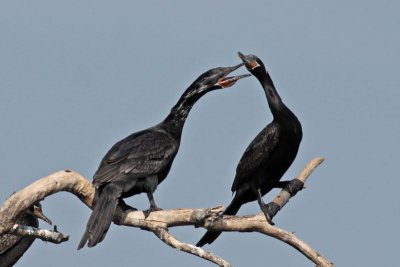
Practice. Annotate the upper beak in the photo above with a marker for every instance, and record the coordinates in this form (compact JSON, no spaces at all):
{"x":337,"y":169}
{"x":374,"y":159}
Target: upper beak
{"x":37,"y":210}
{"x":242,"y":57}
{"x":231,"y":80}
{"x":250,"y":64}
{"x":232,"y":69}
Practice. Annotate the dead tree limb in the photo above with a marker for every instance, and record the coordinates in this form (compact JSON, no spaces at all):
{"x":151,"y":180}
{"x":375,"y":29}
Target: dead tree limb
{"x":291,"y":189}
{"x":171,"y":241}
{"x":66,"y":180}
{"x":43,"y":234}
{"x":159,"y":221}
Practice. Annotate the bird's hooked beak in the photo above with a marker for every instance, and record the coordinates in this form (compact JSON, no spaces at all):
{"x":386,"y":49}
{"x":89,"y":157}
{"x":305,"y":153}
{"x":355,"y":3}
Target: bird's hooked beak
{"x":37,"y":210}
{"x":250,"y":63}
{"x":225,"y":81}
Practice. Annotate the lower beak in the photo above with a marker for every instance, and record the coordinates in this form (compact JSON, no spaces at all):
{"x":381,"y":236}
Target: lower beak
{"x":229,"y":81}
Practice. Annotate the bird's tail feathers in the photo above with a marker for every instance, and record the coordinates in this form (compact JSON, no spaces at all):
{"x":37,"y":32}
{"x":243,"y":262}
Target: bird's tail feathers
{"x":210,"y":236}
{"x":100,"y":219}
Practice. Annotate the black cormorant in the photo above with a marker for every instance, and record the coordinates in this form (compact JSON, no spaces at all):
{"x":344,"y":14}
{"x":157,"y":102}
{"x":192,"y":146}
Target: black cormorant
{"x":12,"y":247}
{"x":141,"y":161}
{"x":268,"y":156}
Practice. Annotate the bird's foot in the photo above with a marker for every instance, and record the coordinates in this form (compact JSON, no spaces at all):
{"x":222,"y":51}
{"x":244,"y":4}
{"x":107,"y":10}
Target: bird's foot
{"x":151,"y":209}
{"x":281,"y":184}
{"x":270,"y":210}
{"x":267,"y":216}
{"x":294,"y":186}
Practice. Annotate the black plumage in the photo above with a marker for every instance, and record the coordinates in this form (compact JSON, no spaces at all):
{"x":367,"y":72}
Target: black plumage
{"x":141,"y":161}
{"x":13,"y":247}
{"x":268,"y":156}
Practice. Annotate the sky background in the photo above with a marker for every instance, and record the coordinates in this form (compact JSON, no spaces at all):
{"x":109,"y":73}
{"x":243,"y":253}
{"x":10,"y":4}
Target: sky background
{"x":77,"y":76}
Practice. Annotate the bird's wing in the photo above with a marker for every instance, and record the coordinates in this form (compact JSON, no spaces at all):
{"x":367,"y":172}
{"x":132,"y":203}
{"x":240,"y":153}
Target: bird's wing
{"x":7,"y":241}
{"x":256,"y":154}
{"x":141,"y":154}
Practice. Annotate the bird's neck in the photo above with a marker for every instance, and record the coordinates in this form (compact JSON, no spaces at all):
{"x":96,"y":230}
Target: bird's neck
{"x":278,"y":108}
{"x":177,"y":117}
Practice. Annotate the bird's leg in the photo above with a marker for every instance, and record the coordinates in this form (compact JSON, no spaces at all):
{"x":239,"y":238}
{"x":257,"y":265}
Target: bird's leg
{"x":150,"y":186}
{"x":264,"y":207}
{"x":153,"y":206}
{"x":125,"y":206}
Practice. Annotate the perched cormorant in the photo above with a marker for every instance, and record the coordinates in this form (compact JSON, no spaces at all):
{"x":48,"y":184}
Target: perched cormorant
{"x":141,"y":161}
{"x":268,"y":156}
{"x":12,"y":247}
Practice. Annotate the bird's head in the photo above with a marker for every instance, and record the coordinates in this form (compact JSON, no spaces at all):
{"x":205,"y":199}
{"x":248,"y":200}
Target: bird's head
{"x":217,"y":78}
{"x":253,"y":63}
{"x":37,"y":211}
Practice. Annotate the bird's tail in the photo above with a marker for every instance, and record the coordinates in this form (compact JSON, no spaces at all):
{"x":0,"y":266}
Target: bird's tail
{"x":210,"y":236}
{"x":101,"y":217}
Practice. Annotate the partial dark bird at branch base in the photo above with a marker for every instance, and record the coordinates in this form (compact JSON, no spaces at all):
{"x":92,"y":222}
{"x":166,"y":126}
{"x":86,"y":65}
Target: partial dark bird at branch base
{"x":268,"y":156}
{"x":13,"y":247}
{"x":141,"y":161}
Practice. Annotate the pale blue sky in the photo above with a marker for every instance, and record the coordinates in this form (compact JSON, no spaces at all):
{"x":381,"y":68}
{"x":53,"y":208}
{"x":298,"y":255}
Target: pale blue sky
{"x":77,"y":76}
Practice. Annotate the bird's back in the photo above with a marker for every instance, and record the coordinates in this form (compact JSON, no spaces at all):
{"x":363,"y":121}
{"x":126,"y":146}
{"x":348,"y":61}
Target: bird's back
{"x":141,"y":154}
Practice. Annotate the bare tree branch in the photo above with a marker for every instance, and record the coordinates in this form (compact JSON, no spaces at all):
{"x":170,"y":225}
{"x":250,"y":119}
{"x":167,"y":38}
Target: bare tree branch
{"x":159,"y":221}
{"x":291,"y":189}
{"x":65,"y":180}
{"x":170,"y":240}
{"x":43,"y":234}
{"x":258,"y":223}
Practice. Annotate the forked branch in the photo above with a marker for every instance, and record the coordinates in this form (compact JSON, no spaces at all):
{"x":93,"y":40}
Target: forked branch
{"x":159,"y":221}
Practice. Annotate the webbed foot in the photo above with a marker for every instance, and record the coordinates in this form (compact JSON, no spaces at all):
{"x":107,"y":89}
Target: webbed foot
{"x":151,"y":209}
{"x":267,"y":213}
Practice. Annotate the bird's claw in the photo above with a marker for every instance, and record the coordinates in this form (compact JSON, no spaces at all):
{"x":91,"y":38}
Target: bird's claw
{"x":151,"y":209}
{"x":267,"y":215}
